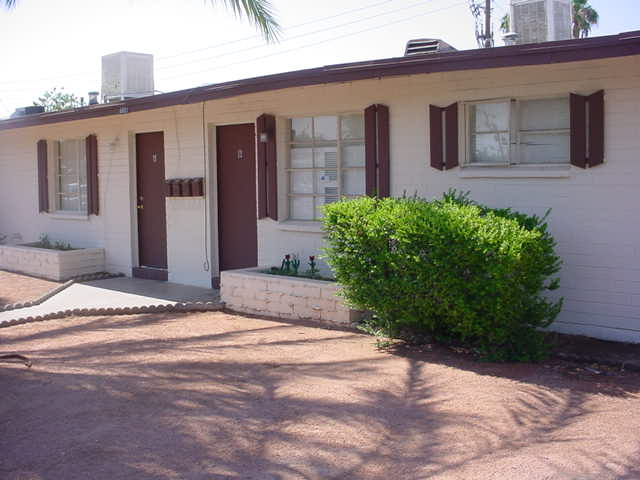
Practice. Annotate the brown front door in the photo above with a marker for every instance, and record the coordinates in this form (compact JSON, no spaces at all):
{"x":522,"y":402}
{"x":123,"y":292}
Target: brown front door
{"x":152,"y":220}
{"x":237,"y":217}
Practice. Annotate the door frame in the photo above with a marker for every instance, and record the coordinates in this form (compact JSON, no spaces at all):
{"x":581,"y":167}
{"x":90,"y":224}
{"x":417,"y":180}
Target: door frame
{"x":213,"y":204}
{"x":133,"y":202}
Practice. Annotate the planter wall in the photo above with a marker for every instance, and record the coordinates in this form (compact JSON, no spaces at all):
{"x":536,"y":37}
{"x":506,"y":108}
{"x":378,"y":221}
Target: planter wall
{"x":250,"y":291}
{"x":51,"y":264}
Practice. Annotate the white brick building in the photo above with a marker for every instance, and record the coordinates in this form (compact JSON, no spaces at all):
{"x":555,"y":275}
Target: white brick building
{"x":519,"y":136}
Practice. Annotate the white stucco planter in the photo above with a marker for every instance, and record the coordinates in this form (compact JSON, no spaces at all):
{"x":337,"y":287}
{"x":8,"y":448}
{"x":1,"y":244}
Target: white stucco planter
{"x":51,"y":264}
{"x":250,"y":291}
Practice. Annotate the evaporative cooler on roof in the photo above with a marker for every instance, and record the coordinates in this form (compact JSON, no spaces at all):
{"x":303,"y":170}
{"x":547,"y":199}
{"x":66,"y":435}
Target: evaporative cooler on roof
{"x":537,"y":21}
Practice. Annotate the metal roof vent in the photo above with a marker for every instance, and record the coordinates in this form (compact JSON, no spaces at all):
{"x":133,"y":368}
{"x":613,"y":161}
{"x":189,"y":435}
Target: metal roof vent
{"x":420,"y":46}
{"x":30,"y":110}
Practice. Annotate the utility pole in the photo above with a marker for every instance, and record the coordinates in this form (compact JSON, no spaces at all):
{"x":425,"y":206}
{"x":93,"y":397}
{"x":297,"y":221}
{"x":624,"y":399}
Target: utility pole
{"x":484,"y":36}
{"x":488,"y":37}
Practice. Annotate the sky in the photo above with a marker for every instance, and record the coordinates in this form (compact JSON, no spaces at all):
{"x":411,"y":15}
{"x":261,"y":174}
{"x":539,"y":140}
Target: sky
{"x":48,"y":44}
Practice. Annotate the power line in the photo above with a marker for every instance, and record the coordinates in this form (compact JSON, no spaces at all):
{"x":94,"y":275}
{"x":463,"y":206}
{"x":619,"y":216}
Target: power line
{"x":319,"y":42}
{"x":306,"y":34}
{"x":94,"y":72}
{"x":296,"y":36}
{"x":188,"y":52}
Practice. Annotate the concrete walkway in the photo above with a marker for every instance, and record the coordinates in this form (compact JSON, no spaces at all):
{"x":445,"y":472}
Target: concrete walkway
{"x":115,"y":293}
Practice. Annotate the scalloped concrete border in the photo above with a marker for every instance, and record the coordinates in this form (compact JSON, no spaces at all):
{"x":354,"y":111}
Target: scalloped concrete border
{"x":82,"y":278}
{"x":91,"y":312}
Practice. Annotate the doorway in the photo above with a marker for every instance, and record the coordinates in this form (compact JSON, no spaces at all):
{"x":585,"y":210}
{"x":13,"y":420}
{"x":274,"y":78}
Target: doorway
{"x":150,"y":202}
{"x":237,"y":215}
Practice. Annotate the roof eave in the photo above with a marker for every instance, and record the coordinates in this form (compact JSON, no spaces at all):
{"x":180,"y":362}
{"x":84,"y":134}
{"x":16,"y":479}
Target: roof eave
{"x":624,"y":44}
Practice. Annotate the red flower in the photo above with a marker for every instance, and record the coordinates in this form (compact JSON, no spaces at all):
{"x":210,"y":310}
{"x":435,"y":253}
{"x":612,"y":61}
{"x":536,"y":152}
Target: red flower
{"x":287,"y":257}
{"x":312,"y":257}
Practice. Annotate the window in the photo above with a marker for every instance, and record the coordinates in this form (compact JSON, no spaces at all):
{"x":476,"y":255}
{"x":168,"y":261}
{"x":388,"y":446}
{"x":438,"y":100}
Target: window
{"x":70,"y":175}
{"x":326,"y":162}
{"x":511,"y":132}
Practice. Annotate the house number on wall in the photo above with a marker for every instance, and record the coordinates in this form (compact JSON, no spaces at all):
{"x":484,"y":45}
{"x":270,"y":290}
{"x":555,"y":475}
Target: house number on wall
{"x":240,"y":154}
{"x":154,"y":157}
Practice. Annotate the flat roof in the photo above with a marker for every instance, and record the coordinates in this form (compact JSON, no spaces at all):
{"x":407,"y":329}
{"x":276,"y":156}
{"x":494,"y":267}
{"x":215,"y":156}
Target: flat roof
{"x":623,"y":44}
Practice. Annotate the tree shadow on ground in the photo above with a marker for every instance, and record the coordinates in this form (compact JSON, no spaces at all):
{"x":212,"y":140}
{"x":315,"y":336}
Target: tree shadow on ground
{"x":252,"y":403}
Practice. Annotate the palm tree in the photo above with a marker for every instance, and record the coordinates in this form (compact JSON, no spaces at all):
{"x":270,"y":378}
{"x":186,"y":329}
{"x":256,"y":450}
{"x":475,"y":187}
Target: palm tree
{"x":584,"y":17}
{"x":259,"y":12}
{"x":505,"y":24}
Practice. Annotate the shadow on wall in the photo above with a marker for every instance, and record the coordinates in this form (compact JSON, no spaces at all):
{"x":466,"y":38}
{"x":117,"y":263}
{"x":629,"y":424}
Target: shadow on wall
{"x":137,"y":397}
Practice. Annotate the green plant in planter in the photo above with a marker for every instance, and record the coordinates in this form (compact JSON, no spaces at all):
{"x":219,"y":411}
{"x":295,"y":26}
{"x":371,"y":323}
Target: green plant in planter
{"x":313,"y":267}
{"x":45,"y":242}
{"x":285,"y":267}
{"x":295,"y":264}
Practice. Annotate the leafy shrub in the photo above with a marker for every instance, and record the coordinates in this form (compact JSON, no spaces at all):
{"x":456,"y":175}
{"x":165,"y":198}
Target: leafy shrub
{"x":460,"y":271}
{"x":49,"y":245}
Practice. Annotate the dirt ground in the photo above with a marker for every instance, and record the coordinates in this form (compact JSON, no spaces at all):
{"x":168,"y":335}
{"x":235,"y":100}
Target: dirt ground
{"x":16,"y":288}
{"x":218,"y":396}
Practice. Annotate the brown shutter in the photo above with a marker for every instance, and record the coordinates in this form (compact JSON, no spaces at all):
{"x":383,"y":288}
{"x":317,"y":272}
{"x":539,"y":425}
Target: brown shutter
{"x":451,"y":135}
{"x":435,"y":137}
{"x":384,"y":184}
{"x":370,"y":149}
{"x":93,"y":202}
{"x":267,"y":167}
{"x":272,"y":169}
{"x":578,"y":125}
{"x":596,"y":128}
{"x":262,"y":168}
{"x":43,"y":177}
{"x":587,"y":131}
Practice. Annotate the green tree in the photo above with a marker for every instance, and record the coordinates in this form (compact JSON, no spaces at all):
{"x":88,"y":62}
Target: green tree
{"x":259,"y":12}
{"x":55,"y":100}
{"x":584,"y":17}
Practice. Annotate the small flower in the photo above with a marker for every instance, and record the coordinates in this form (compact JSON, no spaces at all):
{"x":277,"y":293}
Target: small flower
{"x":312,"y":257}
{"x":287,"y":257}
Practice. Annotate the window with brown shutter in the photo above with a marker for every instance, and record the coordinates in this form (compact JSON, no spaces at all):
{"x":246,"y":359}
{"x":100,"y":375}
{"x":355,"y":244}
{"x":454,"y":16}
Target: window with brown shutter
{"x":587,"y":129}
{"x":325,"y":162}
{"x":267,"y":167}
{"x":377,"y":151}
{"x":510,"y":132}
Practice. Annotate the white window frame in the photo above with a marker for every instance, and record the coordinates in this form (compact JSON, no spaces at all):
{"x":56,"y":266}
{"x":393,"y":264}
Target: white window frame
{"x":55,"y":152}
{"x":515,"y":132}
{"x":339,"y":143}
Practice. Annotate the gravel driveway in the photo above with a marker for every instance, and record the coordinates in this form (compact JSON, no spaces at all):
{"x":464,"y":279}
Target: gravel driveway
{"x":218,"y":396}
{"x":18,"y":288}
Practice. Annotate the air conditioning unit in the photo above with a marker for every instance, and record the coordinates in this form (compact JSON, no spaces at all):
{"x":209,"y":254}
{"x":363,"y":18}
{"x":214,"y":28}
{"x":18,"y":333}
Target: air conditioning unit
{"x":537,"y":21}
{"x":126,"y":75}
{"x":329,"y":177}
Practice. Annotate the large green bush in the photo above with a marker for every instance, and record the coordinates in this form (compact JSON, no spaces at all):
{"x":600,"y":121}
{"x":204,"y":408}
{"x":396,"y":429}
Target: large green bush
{"x":457,"y":270}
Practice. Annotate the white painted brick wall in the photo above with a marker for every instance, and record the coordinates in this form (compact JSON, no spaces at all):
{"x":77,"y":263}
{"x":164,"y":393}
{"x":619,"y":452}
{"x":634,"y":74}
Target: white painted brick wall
{"x":250,"y":291}
{"x":595,"y":216}
{"x":51,"y":264}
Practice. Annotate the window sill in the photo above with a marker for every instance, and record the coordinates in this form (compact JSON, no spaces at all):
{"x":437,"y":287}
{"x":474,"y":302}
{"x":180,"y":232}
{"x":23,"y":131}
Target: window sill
{"x":301,"y":226}
{"x":67,"y":216}
{"x":516,"y":171}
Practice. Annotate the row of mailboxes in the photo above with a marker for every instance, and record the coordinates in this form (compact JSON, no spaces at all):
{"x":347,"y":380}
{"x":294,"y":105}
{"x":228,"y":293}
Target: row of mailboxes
{"x":184,"y":187}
